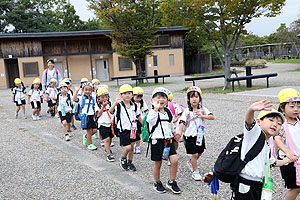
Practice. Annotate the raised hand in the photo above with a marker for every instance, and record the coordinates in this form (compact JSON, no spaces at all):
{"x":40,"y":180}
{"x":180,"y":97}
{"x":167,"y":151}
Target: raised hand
{"x":261,"y":105}
{"x":77,"y":87}
{"x":118,"y":98}
{"x":155,"y":104}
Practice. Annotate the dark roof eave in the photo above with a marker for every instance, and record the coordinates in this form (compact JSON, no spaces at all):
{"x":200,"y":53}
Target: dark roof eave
{"x":77,"y":33}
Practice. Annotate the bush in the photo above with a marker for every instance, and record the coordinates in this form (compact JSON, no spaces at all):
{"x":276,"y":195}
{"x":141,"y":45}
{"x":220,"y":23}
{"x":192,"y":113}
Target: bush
{"x":256,"y":62}
{"x":236,"y":63}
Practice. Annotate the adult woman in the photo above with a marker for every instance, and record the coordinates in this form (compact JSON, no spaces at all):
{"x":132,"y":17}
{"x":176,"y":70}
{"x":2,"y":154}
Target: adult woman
{"x":50,"y":72}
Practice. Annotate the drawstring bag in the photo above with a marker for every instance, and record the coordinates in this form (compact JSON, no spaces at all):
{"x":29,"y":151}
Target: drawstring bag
{"x":84,"y":117}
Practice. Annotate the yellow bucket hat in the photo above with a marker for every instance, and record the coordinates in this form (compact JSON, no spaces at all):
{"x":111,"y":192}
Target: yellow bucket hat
{"x":138,"y":90}
{"x":125,"y":88}
{"x":268,"y":112}
{"x":37,"y":80}
{"x":288,"y":95}
{"x":102,"y":91}
{"x":84,"y":80}
{"x":17,"y":81}
{"x":95,"y":81}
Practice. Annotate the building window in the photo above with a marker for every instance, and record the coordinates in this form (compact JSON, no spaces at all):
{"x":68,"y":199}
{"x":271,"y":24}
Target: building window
{"x":162,"y":40}
{"x":125,"y":64}
{"x":30,"y":69}
{"x":155,"y":61}
{"x":171,"y":60}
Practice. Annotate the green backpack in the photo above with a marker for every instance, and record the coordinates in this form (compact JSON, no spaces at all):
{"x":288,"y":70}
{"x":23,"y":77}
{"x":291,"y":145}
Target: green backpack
{"x":146,"y":134}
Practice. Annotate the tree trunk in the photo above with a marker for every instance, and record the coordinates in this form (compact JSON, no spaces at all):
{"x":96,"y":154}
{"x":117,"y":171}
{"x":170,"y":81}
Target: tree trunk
{"x":139,"y":67}
{"x":227,"y":72}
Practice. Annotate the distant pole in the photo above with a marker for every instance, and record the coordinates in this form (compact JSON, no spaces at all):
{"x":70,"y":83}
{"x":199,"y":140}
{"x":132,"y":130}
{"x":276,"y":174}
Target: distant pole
{"x":198,"y":54}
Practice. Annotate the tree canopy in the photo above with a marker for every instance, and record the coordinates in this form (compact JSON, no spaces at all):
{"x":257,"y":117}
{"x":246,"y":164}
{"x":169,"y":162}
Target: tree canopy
{"x":25,"y":16}
{"x":223,"y":21}
{"x":133,"y":25}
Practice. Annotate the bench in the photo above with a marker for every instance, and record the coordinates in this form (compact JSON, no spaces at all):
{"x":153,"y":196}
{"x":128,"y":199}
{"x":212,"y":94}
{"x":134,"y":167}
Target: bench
{"x":136,"y":79}
{"x":122,"y":77}
{"x":204,"y":77}
{"x":251,"y":77}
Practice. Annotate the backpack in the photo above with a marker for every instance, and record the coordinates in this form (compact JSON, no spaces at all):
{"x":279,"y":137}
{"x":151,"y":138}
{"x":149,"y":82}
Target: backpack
{"x":146,"y":133}
{"x":55,"y":71}
{"x":229,"y":164}
{"x":118,"y":118}
{"x":68,"y":98}
{"x":78,"y":108}
{"x":171,"y":106}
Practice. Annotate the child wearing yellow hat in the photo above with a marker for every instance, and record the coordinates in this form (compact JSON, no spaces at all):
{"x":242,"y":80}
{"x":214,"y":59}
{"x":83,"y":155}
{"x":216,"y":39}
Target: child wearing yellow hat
{"x":138,"y":93}
{"x":18,"y":96}
{"x":193,"y":119}
{"x":35,"y":96}
{"x":105,"y":121}
{"x":126,"y":114}
{"x":50,"y":97}
{"x":288,"y":140}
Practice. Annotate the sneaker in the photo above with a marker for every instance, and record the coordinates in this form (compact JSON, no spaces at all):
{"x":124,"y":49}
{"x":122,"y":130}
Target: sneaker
{"x":189,"y":164}
{"x":73,"y":127}
{"x":16,"y":115}
{"x":67,"y":137}
{"x":131,"y":166}
{"x":84,"y":140}
{"x":158,"y":187}
{"x":24,"y":117}
{"x":173,"y":187}
{"x":112,"y":144}
{"x":38,"y":118}
{"x":34,"y":118}
{"x":92,"y":147}
{"x":169,"y":163}
{"x":102,"y":143}
{"x":69,"y":131}
{"x":137,"y":150}
{"x":110,"y":158}
{"x":196,"y":176}
{"x":57,"y":115}
{"x":123,"y":163}
{"x":95,"y":136}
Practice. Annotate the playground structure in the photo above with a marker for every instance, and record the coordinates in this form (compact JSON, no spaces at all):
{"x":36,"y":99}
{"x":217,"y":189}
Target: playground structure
{"x":268,"y":51}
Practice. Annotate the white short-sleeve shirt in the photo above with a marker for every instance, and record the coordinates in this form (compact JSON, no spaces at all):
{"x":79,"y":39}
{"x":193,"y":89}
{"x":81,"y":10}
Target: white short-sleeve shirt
{"x":104,"y":119}
{"x":192,"y":122}
{"x":63,"y":100}
{"x":295,"y":137}
{"x":19,"y":93}
{"x":93,"y":105}
{"x":254,"y":170}
{"x":52,"y":92}
{"x":167,"y":127}
{"x":143,"y":109}
{"x":35,"y":95}
{"x":126,"y":122}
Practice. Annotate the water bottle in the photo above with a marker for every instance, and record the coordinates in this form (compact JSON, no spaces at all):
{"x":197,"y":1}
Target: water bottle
{"x":267,"y":189}
{"x":62,"y":107}
{"x":297,"y":166}
{"x":200,"y":133}
{"x":166,"y":152}
{"x":133,"y":130}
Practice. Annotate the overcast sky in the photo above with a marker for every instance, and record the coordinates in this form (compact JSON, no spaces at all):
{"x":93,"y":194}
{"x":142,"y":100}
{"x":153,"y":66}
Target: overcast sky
{"x":262,"y":26}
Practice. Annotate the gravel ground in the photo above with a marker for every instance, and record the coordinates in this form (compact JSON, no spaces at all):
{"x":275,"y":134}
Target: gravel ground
{"x":37,"y":164}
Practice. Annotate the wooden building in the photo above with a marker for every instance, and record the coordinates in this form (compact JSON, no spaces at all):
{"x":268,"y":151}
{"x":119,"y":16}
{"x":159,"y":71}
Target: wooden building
{"x":83,"y":54}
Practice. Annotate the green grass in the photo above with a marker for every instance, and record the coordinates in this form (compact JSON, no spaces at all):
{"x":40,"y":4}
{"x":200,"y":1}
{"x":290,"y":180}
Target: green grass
{"x":219,"y":90}
{"x":293,"y":61}
{"x":294,"y":70}
{"x":215,"y":72}
{"x":143,"y":84}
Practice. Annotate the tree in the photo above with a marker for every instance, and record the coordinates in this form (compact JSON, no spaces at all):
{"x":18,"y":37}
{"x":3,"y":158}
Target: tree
{"x":133,"y":25}
{"x":223,"y":20}
{"x":38,"y":16}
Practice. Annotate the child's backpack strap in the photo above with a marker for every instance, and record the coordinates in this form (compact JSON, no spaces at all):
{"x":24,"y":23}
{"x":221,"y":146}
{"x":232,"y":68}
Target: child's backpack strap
{"x":169,"y":114}
{"x":82,"y":103}
{"x":171,"y":107}
{"x":118,"y":115}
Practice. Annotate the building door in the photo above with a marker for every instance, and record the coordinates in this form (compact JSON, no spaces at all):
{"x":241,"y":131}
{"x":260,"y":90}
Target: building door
{"x":12,"y":71}
{"x":102,"y":70}
{"x":59,"y":67}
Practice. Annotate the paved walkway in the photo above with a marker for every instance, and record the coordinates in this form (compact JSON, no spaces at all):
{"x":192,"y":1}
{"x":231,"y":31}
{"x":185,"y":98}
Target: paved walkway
{"x":36,"y":163}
